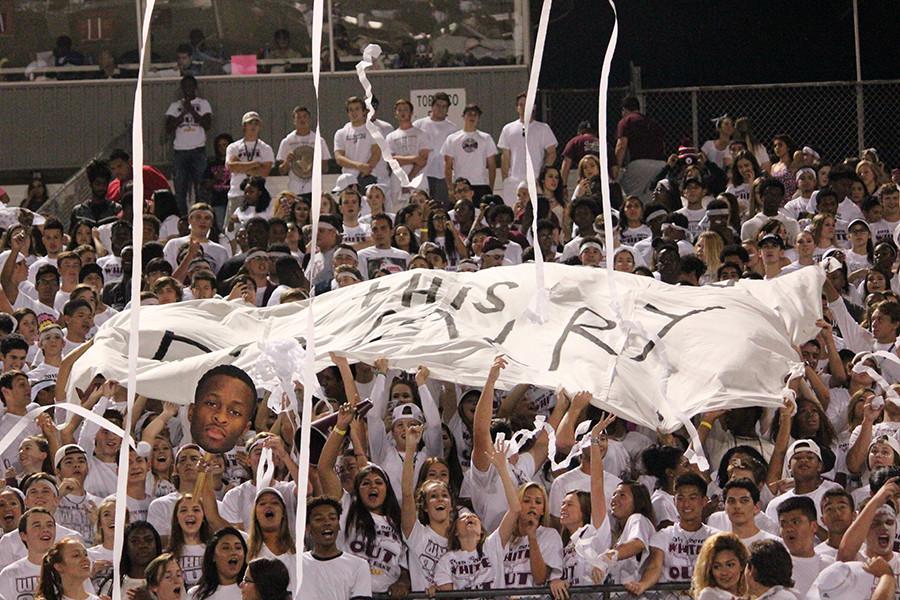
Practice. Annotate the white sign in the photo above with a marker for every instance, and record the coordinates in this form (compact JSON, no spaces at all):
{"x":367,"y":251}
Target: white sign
{"x":712,"y":347}
{"x":421,"y":101}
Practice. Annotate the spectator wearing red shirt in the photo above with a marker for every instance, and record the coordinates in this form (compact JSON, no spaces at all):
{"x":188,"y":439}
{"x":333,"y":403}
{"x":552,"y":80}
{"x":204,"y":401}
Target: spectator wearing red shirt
{"x":585,"y":142}
{"x":640,"y":150}
{"x":122,"y":172}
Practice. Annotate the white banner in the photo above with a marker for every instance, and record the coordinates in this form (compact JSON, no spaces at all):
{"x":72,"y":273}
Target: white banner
{"x":724,"y":346}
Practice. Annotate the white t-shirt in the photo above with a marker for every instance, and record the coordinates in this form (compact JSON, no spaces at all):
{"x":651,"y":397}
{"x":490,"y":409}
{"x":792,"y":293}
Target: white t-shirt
{"x":19,"y":581}
{"x":137,"y":509}
{"x":75,"y":513}
{"x":473,"y":570}
{"x":807,"y":569}
{"x":338,"y":578}
{"x":189,"y":134}
{"x":215,"y":253}
{"x":576,"y":570}
{"x":488,"y":497}
{"x":303,"y":147}
{"x":694,"y":217}
{"x":223,"y":592}
{"x":385,"y":555}
{"x":96,"y":553}
{"x":408,"y":142}
{"x":288,"y":559}
{"x":815,"y":495}
{"x":191,"y":561}
{"x":470,"y":152}
{"x":637,"y":527}
{"x":517,"y":558}
{"x":633,"y":235}
{"x":356,"y":144}
{"x":578,"y":480}
{"x":714,"y":154}
{"x":664,"y":506}
{"x":361,"y":232}
{"x":112,"y":268}
{"x":102,"y":477}
{"x":680,"y":550}
{"x":242,"y":151}
{"x":437,"y":133}
{"x":426,"y":547}
{"x":371,"y":259}
{"x":512,"y":138}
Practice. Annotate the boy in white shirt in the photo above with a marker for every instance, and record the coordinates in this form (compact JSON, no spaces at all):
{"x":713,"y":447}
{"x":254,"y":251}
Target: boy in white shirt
{"x":797,"y":518}
{"x":674,"y":549}
{"x":295,"y":153}
{"x":742,"y":507}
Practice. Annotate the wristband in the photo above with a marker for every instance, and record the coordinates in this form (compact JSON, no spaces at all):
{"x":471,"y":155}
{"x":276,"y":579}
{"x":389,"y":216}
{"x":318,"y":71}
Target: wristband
{"x":706,"y":424}
{"x":340,"y":431}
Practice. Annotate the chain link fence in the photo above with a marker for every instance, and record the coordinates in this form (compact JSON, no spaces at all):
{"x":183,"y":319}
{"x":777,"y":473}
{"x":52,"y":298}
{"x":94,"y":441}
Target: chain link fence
{"x":837,"y":119}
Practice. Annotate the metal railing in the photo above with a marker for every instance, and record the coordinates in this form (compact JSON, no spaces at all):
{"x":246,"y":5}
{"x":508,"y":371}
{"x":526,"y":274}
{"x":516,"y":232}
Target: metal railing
{"x":836,"y":118}
{"x":661,"y":591}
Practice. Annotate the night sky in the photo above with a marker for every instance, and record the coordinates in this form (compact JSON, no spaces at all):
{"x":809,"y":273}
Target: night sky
{"x":696,"y":42}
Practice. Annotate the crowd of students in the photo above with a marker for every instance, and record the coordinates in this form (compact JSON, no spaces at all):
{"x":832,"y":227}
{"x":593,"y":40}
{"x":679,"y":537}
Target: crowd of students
{"x":422,"y":489}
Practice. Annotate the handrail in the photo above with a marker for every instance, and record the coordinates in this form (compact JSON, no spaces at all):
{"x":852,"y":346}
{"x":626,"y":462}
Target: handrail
{"x":541,"y":590}
{"x":134,"y":66}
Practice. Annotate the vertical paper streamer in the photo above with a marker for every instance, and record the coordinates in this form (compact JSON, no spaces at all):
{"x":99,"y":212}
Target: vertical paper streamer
{"x":370,"y":55}
{"x":695,"y":454}
{"x":137,"y":154}
{"x":309,"y":366}
{"x":540,"y":302}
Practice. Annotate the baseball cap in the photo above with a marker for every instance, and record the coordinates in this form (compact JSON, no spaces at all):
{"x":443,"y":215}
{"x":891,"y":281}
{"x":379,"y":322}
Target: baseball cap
{"x":772,"y":238}
{"x":841,"y":580}
{"x":344,"y":181}
{"x":889,"y":440}
{"x":407,"y":411}
{"x":803,"y":446}
{"x":250,"y":116}
{"x":857,"y":222}
{"x":67,"y":450}
{"x":39,"y":386}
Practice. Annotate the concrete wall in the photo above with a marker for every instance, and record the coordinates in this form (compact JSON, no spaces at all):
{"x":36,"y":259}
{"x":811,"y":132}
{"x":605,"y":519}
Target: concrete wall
{"x":62,"y":125}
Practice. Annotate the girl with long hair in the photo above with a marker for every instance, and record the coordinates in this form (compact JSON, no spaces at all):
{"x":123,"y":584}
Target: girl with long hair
{"x":716,"y":150}
{"x":588,"y":169}
{"x":66,"y":572}
{"x":632,"y":527}
{"x":632,"y":225}
{"x":165,"y":208}
{"x":823,"y":232}
{"x":257,"y":202}
{"x":708,"y":247}
{"x":868,"y":173}
{"x":550,"y":187}
{"x":442,"y":232}
{"x":270,"y":532}
{"x":743,"y":172}
{"x":474,"y":561}
{"x":533,"y":556}
{"x":224,"y":563}
{"x":162,"y":467}
{"x":371,"y":526}
{"x":442,"y":469}
{"x":860,"y":254}
{"x":104,"y":530}
{"x":784,"y":148}
{"x":36,"y":194}
{"x":426,"y":515}
{"x":582,"y":517}
{"x":719,"y":571}
{"x":34,"y":456}
{"x":404,"y":239}
{"x":142,"y":544}
{"x":190,"y":532}
{"x":805,"y":247}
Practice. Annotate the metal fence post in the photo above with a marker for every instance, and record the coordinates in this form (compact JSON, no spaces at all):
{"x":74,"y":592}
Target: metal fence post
{"x":860,"y":118}
{"x":695,"y":121}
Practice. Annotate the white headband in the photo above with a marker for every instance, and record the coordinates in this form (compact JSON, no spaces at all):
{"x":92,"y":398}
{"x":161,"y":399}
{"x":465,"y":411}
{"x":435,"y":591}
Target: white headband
{"x":586,"y":245}
{"x":718,"y":212}
{"x":803,"y":170}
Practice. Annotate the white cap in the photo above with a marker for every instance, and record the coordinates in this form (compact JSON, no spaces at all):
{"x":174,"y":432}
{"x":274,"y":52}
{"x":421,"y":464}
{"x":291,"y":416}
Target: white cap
{"x":803,"y":446}
{"x":344,"y":181}
{"x":889,"y":440}
{"x":839,"y":581}
{"x":407,"y":411}
{"x":250,"y":116}
{"x":65,"y":451}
